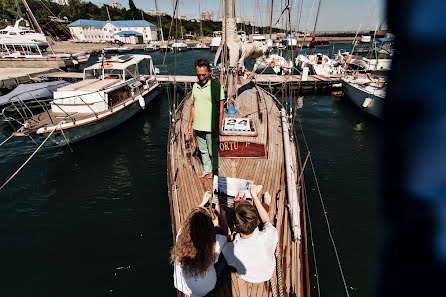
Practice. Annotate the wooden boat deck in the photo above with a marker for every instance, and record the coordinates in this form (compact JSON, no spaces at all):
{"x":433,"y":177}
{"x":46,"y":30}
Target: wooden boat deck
{"x":186,"y":189}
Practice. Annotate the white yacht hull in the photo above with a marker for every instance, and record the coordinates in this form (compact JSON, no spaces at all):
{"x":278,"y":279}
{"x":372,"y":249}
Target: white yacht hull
{"x":361,"y":97}
{"x":105,"y":122}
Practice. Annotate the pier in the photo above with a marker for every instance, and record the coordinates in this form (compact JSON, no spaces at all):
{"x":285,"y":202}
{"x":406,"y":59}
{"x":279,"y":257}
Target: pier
{"x":12,"y":77}
{"x":271,"y":82}
{"x":312,"y":84}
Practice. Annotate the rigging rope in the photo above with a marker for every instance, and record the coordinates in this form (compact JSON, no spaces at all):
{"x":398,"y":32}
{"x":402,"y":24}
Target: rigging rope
{"x":325,"y":213}
{"x":312,"y":245}
{"x":6,"y":139}
{"x":32,"y":155}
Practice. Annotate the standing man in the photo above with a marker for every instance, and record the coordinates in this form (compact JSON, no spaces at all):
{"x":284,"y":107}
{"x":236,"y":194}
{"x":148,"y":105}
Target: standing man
{"x":206,"y":115}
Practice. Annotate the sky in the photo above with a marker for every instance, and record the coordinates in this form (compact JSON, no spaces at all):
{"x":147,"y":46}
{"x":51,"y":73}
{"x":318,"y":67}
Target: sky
{"x":335,"y":15}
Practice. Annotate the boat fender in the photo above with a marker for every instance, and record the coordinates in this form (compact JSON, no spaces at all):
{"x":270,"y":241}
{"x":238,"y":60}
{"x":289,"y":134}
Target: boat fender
{"x":142,"y":103}
{"x":367,"y":102}
{"x":272,"y":64}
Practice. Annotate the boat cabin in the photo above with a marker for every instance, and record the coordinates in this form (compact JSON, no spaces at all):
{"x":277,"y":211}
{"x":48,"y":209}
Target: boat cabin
{"x":105,"y":84}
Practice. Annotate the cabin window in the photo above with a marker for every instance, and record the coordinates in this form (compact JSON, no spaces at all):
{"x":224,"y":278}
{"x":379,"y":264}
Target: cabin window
{"x":117,"y":96}
{"x":130,"y":72}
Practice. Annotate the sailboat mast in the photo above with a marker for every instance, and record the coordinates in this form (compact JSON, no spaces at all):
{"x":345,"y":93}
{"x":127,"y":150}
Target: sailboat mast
{"x":32,"y":16}
{"x":201,"y":19}
{"x":159,"y":22}
{"x":108,"y":13}
{"x":271,"y":20}
{"x":317,"y":17}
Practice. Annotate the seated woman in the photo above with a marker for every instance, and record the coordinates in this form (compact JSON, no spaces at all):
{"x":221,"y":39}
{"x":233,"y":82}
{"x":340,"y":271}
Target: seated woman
{"x":196,"y":250}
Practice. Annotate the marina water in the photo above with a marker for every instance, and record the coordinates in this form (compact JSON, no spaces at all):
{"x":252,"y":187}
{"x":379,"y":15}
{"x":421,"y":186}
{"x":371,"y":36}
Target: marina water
{"x":96,"y":221}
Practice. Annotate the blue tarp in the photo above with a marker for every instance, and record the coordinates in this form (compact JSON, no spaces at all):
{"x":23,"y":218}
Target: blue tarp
{"x":28,"y":92}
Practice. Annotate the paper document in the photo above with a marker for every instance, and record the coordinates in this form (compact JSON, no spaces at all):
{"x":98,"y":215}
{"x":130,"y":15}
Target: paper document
{"x":228,"y":189}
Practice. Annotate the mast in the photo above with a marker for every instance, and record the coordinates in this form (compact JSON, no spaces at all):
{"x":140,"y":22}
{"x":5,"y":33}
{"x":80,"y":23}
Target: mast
{"x":317,"y":16}
{"x":201,"y":19}
{"x":159,"y":22}
{"x":33,"y":18}
{"x":271,"y":20}
{"x":108,"y":13}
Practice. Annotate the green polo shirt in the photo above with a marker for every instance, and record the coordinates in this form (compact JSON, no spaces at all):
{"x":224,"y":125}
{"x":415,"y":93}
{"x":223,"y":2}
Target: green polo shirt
{"x":206,"y":105}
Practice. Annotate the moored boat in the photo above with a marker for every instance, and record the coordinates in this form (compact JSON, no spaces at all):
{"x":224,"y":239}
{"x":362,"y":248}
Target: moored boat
{"x":366,"y":92}
{"x":111,"y":92}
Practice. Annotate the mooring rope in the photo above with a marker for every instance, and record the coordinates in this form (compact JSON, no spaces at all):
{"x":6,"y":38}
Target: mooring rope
{"x":4,"y":141}
{"x":32,"y":155}
{"x":325,"y":214}
{"x":279,"y":271}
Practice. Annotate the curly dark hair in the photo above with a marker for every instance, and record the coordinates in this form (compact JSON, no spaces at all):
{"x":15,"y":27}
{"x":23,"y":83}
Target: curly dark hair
{"x":194,"y":248}
{"x":245,"y":217}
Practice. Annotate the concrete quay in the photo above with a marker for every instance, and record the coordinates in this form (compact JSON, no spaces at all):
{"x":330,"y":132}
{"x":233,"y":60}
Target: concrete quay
{"x":11,"y":77}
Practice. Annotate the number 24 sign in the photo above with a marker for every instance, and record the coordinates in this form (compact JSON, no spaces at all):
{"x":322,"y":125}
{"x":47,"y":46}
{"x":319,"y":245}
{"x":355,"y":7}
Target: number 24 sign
{"x":235,"y":124}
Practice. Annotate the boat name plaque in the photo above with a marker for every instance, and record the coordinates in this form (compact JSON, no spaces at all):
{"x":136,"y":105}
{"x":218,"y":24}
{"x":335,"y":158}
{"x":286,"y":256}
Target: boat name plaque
{"x":241,"y":149}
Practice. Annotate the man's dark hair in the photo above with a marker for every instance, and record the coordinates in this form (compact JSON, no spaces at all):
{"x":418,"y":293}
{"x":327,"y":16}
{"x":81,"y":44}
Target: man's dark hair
{"x":202,"y":62}
{"x":245,"y":217}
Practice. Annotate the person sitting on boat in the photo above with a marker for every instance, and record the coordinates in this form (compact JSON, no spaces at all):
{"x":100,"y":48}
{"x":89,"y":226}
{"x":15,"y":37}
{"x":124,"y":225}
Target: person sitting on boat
{"x":207,"y":95}
{"x":252,"y":251}
{"x":196,"y":254}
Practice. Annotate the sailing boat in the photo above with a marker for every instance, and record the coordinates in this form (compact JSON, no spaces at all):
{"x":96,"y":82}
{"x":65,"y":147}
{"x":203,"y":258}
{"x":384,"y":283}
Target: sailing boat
{"x":263,"y":150}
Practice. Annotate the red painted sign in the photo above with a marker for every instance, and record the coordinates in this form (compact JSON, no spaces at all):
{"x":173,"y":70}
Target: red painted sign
{"x":242,"y":149}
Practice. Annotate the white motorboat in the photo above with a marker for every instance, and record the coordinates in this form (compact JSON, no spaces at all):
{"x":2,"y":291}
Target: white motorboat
{"x":165,"y":48}
{"x":82,"y":57}
{"x":258,"y":39}
{"x":18,"y":35}
{"x":319,"y":64}
{"x":32,"y":56}
{"x":111,"y":92}
{"x":216,"y":41}
{"x":151,"y":47}
{"x":200,"y":46}
{"x":179,"y":46}
{"x":366,"y":92}
{"x":373,"y":55}
{"x":273,"y":63}
{"x":117,"y":49}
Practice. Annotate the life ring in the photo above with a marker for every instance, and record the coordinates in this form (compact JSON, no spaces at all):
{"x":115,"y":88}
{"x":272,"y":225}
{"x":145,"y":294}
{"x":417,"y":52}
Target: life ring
{"x":106,"y":65}
{"x":272,"y":64}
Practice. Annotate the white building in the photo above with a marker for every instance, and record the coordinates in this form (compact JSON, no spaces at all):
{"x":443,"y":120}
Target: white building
{"x":60,"y":2}
{"x":207,"y":16}
{"x":115,"y":4}
{"x":136,"y":31}
{"x":155,"y":12}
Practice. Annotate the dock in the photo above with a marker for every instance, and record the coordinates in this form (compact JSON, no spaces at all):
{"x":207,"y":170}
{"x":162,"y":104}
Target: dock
{"x":271,"y":82}
{"x":12,"y":77}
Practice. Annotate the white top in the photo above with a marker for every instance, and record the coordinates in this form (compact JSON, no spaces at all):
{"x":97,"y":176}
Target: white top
{"x":198,"y":286}
{"x":253,"y":257}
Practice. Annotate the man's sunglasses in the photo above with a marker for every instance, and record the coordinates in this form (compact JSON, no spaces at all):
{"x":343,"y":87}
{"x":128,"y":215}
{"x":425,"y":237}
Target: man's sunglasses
{"x":200,"y":75}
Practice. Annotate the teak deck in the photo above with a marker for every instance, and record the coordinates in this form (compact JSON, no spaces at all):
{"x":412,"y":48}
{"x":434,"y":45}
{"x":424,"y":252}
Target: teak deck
{"x":186,"y":189}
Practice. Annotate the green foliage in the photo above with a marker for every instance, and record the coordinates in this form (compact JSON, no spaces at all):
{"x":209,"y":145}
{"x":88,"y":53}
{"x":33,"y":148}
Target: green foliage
{"x":78,"y":9}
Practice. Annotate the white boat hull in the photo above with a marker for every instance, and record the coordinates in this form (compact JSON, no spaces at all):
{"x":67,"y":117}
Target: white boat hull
{"x":366,"y":101}
{"x":103,"y":124}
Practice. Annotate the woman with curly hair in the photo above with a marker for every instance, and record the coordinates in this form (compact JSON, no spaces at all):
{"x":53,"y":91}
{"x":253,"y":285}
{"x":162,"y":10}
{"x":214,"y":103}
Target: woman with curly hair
{"x":197,"y":249}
